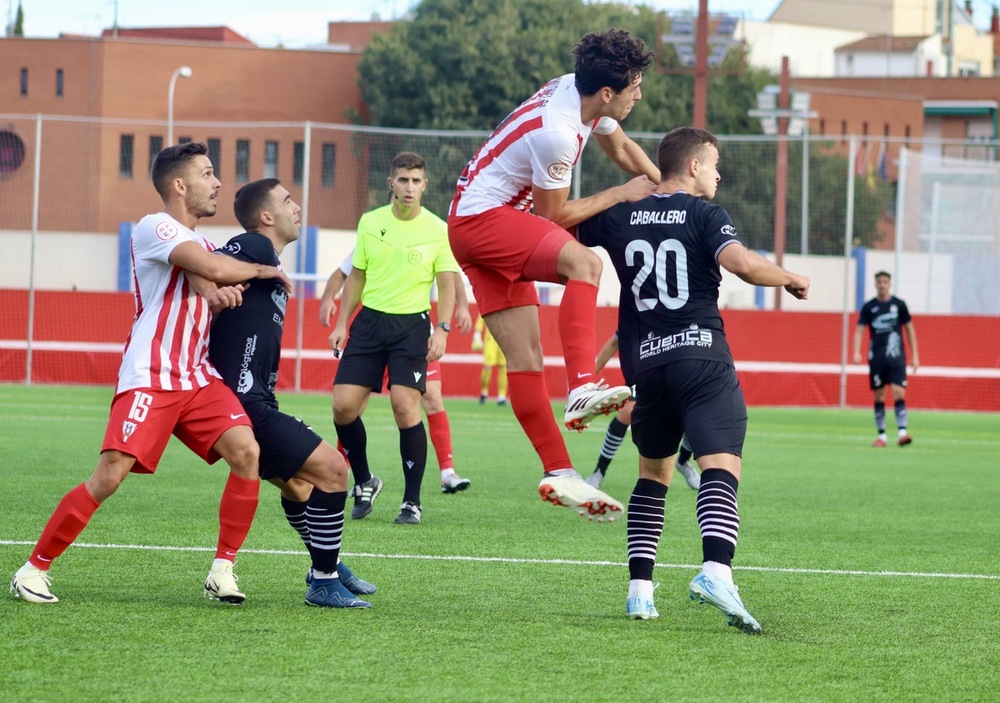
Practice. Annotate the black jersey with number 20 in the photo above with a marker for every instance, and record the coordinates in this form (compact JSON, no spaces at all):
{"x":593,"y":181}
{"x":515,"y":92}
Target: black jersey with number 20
{"x":664,"y":249}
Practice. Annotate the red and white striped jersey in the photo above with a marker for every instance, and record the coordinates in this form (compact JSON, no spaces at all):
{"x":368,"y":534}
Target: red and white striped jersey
{"x":167,"y":348}
{"x":537,"y":144}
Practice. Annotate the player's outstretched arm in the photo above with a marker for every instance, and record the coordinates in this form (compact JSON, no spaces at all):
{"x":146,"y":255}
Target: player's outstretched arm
{"x":327,"y":303}
{"x":555,"y":205}
{"x":756,"y":270}
{"x":222,"y":269}
{"x":607,"y":351}
{"x":628,"y":155}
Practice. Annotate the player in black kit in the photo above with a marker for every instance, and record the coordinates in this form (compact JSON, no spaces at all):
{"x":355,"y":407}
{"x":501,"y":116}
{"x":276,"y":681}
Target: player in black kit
{"x":886,"y":316}
{"x":245,"y":347}
{"x":667,"y":250}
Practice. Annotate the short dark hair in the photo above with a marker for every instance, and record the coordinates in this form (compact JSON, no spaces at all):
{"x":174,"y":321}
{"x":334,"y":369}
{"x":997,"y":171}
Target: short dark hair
{"x":171,"y":161}
{"x":879,"y":274}
{"x":407,"y":160}
{"x":253,"y":199}
{"x":679,"y":146}
{"x":612,"y":58}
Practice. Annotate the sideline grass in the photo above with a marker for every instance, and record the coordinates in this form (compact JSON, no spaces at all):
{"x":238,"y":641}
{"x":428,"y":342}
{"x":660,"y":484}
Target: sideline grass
{"x":874,"y":573}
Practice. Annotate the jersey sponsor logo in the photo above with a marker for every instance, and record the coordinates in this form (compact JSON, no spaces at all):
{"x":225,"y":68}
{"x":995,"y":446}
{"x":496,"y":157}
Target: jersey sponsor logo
{"x":693,"y":336}
{"x":280,"y":297}
{"x":658,"y":217}
{"x":246,"y":375}
{"x":729,"y":230}
{"x":166,"y":231}
{"x":232,"y":248}
{"x":414,"y":257}
{"x":557,"y":171}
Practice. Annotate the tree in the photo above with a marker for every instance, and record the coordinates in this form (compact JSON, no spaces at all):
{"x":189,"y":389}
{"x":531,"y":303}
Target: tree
{"x":19,"y":21}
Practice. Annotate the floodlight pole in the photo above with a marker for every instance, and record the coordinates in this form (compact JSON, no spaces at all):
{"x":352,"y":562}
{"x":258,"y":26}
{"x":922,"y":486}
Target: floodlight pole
{"x":182,"y":72}
{"x":701,"y":66}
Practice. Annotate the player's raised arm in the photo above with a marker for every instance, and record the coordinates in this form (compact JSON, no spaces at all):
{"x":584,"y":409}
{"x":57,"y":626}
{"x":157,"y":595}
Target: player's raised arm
{"x":756,"y":270}
{"x":222,"y":269}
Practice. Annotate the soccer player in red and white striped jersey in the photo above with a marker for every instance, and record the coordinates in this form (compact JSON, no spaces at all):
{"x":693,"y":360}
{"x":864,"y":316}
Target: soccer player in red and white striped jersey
{"x":508,"y":228}
{"x":166,"y":383}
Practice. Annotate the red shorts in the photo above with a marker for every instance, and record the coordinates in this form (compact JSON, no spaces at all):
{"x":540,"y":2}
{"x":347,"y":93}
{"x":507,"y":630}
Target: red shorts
{"x":143,"y":419}
{"x":503,"y":251}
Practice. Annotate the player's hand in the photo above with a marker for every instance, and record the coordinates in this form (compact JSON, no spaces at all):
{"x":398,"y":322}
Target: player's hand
{"x":336,"y":339}
{"x":277,"y":274}
{"x":915,"y":364}
{"x":226,"y":297}
{"x":638,"y":188}
{"x":463,"y":320}
{"x":436,"y":344}
{"x":327,"y":309}
{"x":799,"y":287}
{"x":857,"y":357}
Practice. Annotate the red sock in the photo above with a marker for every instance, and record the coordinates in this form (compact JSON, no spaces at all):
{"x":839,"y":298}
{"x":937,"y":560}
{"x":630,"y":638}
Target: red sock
{"x":440,"y":432}
{"x":340,"y":448}
{"x":236,"y":511}
{"x":577,"y":314}
{"x":67,"y":522}
{"x":529,"y":399}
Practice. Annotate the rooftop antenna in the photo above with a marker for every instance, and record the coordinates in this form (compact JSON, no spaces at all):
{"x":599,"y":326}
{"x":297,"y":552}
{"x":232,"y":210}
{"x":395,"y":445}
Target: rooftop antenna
{"x":114,"y":27}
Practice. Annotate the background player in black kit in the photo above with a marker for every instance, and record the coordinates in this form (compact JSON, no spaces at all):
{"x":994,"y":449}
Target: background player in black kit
{"x":667,"y":250}
{"x":886,"y":316}
{"x":245,"y":347}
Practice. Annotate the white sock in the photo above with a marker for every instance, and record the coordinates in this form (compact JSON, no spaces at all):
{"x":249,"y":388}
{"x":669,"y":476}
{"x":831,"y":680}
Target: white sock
{"x":325,"y":575}
{"x":718,"y":571}
{"x":447,"y":472}
{"x":641,"y":588}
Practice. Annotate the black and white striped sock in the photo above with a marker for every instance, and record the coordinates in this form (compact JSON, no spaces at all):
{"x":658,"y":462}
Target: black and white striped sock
{"x":295,"y":513}
{"x":325,"y":518}
{"x":718,"y":515}
{"x":613,"y":439}
{"x":644,"y":520}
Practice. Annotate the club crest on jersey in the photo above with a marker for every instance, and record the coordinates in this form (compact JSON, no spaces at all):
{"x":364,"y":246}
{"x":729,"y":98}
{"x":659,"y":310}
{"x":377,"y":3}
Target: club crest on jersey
{"x":128,"y":428}
{"x":557,"y":171}
{"x":166,"y":231}
{"x":233,"y":248}
{"x":414,"y":257}
{"x":729,"y":230}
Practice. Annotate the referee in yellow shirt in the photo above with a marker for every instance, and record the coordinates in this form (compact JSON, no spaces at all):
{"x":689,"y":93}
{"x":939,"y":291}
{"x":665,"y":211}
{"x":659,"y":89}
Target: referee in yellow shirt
{"x":401,"y":250}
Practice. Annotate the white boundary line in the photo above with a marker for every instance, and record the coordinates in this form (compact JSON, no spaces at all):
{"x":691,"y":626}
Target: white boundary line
{"x":511,"y":560}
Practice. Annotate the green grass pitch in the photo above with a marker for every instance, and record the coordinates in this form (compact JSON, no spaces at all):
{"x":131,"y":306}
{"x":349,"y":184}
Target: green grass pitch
{"x":874,"y":572}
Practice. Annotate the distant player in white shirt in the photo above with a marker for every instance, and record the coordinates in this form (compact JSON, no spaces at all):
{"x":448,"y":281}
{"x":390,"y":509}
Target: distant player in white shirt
{"x":526,"y":167}
{"x":166,"y":384}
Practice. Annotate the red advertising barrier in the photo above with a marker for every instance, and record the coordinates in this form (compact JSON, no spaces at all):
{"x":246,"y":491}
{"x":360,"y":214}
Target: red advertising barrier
{"x":783,"y":358}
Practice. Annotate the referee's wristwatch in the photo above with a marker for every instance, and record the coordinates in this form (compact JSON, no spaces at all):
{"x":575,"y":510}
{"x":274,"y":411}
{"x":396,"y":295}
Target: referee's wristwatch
{"x":446,"y":326}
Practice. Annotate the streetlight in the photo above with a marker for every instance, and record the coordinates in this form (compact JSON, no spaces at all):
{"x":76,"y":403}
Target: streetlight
{"x":184,"y":72}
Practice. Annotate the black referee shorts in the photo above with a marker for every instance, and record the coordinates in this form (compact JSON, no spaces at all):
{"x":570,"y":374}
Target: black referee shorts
{"x":379,"y":340}
{"x":285,"y":441}
{"x":699,"y":398}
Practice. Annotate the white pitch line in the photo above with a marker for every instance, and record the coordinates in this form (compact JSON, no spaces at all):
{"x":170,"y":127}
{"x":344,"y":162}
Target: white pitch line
{"x":512,"y":560}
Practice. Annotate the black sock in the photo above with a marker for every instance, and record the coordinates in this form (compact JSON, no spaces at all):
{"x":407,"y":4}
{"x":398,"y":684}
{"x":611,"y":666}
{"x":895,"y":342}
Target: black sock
{"x":900,"y":408}
{"x":880,"y":417}
{"x":644,"y":520}
{"x":325,"y":516}
{"x":684,"y":455}
{"x":612,"y":442}
{"x":355,"y":442}
{"x":295,"y":513}
{"x":718,"y":515}
{"x":413,"y":452}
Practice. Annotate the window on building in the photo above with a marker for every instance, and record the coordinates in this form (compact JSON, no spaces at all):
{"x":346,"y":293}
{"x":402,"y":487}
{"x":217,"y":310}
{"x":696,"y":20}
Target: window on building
{"x":270,"y":159}
{"x":155,"y":147}
{"x":906,"y":133}
{"x":126,"y":152}
{"x":843,"y":131}
{"x":329,"y":168}
{"x":298,"y":161}
{"x":822,"y":127}
{"x":242,"y":160}
{"x":24,"y":81}
{"x":215,"y":153}
{"x":59,"y":82}
{"x":184,"y":140}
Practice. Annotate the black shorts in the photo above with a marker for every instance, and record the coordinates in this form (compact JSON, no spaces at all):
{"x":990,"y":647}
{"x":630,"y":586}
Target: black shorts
{"x":700,"y":399}
{"x":882,"y":373}
{"x":379,"y":340}
{"x":285,"y":441}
